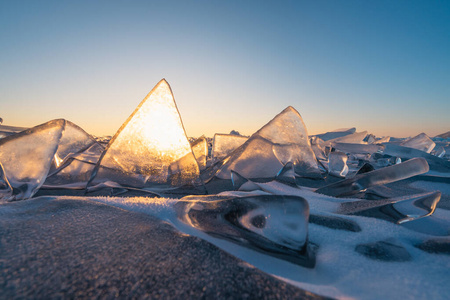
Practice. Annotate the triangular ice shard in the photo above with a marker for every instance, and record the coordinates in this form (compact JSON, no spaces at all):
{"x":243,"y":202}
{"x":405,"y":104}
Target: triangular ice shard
{"x":26,"y":157}
{"x":224,"y":144}
{"x":200,"y":150}
{"x":151,"y":147}
{"x":420,"y":142}
{"x":284,"y":139}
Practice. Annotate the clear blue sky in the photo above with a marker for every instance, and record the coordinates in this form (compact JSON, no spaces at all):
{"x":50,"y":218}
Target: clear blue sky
{"x":381,"y":66}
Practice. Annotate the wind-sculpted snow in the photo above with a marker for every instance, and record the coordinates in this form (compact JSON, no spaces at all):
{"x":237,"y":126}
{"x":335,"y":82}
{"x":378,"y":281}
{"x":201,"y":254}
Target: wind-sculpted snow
{"x":27,"y":156}
{"x":284,"y":139}
{"x":151,"y":147}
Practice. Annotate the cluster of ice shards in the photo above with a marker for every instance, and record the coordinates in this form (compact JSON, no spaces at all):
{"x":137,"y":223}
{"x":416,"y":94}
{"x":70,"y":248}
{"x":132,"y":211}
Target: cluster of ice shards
{"x":27,"y":157}
{"x":284,"y":139}
{"x":224,"y":144}
{"x":151,"y":148}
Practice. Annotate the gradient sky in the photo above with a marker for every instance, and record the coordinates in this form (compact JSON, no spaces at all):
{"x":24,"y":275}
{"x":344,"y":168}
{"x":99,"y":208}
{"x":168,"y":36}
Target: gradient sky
{"x":381,"y":66}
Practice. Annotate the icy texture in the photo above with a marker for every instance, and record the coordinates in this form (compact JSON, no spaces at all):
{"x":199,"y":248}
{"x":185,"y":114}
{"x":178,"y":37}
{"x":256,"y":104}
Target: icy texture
{"x":27,"y":156}
{"x":396,"y":210}
{"x":337,"y":164}
{"x":435,"y":163}
{"x":420,"y":142}
{"x":320,"y":149}
{"x":151,"y":147}
{"x":200,"y":150}
{"x":439,"y":152}
{"x":272,"y":224}
{"x":336,"y":133}
{"x":384,"y":139}
{"x":382,"y":176}
{"x":224,"y":144}
{"x":5,"y":187}
{"x":354,"y":138}
{"x":284,"y":139}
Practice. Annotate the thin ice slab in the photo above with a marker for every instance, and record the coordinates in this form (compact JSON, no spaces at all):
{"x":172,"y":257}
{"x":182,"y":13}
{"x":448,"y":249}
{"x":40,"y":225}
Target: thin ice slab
{"x":420,"y":142}
{"x":275,"y":225}
{"x":386,"y":175}
{"x":224,"y":144}
{"x":150,"y":148}
{"x":200,"y":150}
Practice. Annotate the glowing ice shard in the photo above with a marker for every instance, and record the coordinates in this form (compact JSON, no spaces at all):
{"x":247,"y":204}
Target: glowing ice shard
{"x":27,"y":156}
{"x":337,"y":164}
{"x":200,"y":150}
{"x":420,"y":142}
{"x":336,"y":133}
{"x":151,"y":147}
{"x":284,"y":139}
{"x":224,"y":144}
{"x":276,"y":225}
{"x":386,"y":175}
